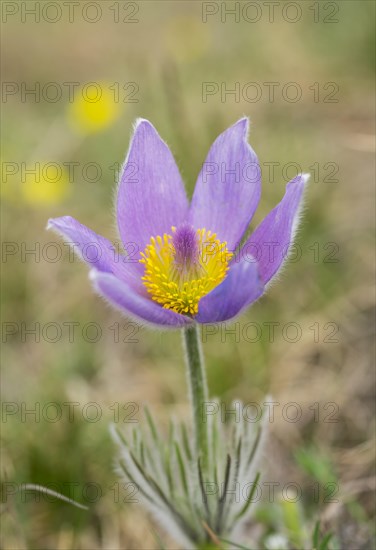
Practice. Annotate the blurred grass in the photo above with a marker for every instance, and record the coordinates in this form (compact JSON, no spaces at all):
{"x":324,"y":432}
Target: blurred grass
{"x":169,"y":68}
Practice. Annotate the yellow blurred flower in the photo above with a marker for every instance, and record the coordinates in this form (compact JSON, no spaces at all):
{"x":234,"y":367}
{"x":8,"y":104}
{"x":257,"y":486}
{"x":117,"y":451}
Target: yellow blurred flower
{"x":186,"y":38}
{"x":94,"y":107}
{"x":47,"y":183}
{"x":38,"y":184}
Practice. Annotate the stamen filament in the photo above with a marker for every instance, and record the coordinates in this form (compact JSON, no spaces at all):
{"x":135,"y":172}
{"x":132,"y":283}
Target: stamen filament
{"x":183,"y":267}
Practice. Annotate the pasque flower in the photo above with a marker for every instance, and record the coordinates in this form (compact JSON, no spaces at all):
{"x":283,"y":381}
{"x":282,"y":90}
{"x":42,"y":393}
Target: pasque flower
{"x":188,"y":264}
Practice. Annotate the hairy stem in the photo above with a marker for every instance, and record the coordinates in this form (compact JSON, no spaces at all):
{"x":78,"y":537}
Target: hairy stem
{"x":198,"y":391}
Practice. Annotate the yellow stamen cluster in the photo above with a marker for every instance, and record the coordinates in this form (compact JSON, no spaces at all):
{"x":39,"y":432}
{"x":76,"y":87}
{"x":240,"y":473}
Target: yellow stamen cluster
{"x":180,"y":287}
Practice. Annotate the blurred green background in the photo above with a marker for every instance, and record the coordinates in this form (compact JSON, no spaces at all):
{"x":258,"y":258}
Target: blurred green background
{"x":158,"y":59}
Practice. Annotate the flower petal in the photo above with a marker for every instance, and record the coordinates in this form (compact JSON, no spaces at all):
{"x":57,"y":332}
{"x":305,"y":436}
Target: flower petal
{"x":229,"y":186}
{"x":96,"y":251}
{"x":241,"y":287}
{"x":151,"y":196}
{"x":270,"y":241}
{"x":133,"y":305}
{"x":92,"y":248}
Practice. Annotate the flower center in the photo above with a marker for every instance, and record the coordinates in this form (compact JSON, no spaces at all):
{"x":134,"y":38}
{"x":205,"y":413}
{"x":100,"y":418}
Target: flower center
{"x":183,"y":267}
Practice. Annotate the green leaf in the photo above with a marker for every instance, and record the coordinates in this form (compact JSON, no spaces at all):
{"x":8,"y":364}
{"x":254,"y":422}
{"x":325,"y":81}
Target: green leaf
{"x":122,"y":437}
{"x":325,"y":541}
{"x":316,"y":536}
{"x":152,"y":426}
{"x":142,"y":453}
{"x":315,"y":464}
{"x":215,"y":443}
{"x":159,"y":540}
{"x":249,"y":501}
{"x":222,"y":500}
{"x":203,"y":493}
{"x":293,"y":522}
{"x":254,"y":446}
{"x":185,"y":441}
{"x":234,"y":544}
{"x":323,"y":545}
{"x":132,"y":480}
{"x":185,"y":526}
{"x":182,"y":470}
{"x":168,"y":470}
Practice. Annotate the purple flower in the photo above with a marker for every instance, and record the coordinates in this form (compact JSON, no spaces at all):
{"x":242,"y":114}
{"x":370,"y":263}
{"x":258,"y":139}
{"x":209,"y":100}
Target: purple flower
{"x":187,"y":264}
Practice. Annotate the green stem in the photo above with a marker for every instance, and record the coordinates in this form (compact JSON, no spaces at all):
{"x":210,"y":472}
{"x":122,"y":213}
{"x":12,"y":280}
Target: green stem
{"x":198,"y":390}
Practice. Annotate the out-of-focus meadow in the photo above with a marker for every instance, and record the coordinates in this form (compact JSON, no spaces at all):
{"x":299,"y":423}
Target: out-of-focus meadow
{"x":156,"y":67}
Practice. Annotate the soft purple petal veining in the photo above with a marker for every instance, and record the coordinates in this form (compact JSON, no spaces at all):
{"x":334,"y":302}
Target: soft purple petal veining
{"x":151,"y":200}
{"x":270,"y":241}
{"x":95,"y":250}
{"x":228,"y":187}
{"x":241,"y":287}
{"x":92,"y":248}
{"x":151,"y":195}
{"x":141,"y":308}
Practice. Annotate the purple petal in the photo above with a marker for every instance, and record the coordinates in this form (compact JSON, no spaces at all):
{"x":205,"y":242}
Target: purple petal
{"x":95,"y":250}
{"x":133,"y":305}
{"x":270,"y":242}
{"x":151,"y":196}
{"x":92,"y":248}
{"x":241,"y":287}
{"x":225,"y":202}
